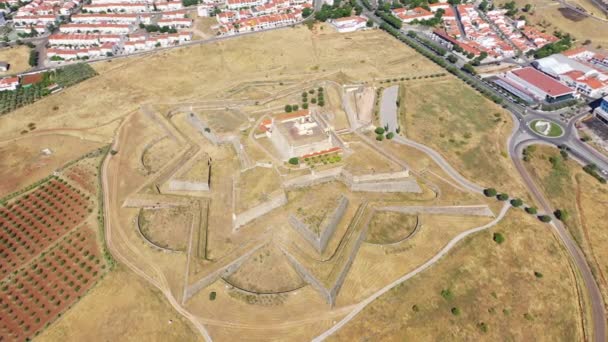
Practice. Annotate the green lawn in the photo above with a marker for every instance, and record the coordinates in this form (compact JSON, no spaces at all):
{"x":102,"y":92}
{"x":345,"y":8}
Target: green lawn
{"x":555,"y":130}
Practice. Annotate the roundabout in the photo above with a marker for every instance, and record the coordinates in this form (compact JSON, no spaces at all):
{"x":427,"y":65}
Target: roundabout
{"x":546,"y":128}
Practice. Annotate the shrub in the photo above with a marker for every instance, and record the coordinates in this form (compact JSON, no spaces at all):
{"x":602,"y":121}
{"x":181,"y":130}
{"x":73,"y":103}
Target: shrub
{"x":561,"y":214}
{"x":212,"y":295}
{"x":390,"y":135}
{"x":294,"y":161}
{"x":379,"y":137}
{"x":379,"y":130}
{"x":531,"y":210}
{"x":288,"y":108}
{"x":544,"y":218}
{"x":502,"y":197}
{"x":447,"y":294}
{"x":516,"y":202}
{"x":483,"y":327}
{"x":490,"y":192}
{"x":498,"y":238}
{"x":538,"y":274}
{"x":415,"y":308}
{"x":455,"y":311}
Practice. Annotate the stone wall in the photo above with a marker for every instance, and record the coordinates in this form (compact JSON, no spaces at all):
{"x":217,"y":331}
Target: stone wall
{"x":223,"y":271}
{"x":276,"y":200}
{"x":332,"y":224}
{"x":308,"y":276}
{"x":319,"y":242}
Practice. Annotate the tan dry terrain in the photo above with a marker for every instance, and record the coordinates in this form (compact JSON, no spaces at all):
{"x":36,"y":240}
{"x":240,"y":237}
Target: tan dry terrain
{"x":18,"y":58}
{"x":546,"y":15}
{"x":182,"y":74}
{"x":468,"y":130}
{"x":568,"y":187}
{"x":122,"y":307}
{"x":491,"y":285}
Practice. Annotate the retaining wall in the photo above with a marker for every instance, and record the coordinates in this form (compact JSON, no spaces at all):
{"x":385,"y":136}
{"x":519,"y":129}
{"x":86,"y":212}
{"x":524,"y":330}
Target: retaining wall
{"x":275,"y":201}
{"x":319,"y":242}
{"x":224,"y":271}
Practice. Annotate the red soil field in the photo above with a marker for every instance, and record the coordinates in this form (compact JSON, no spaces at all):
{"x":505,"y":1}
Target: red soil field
{"x":38,"y":293}
{"x":34,"y":221}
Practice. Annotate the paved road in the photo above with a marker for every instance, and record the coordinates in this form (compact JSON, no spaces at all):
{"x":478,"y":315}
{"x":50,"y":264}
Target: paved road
{"x":593,"y":290}
{"x":360,"y":306}
{"x":388,"y":108}
{"x":437,"y":158}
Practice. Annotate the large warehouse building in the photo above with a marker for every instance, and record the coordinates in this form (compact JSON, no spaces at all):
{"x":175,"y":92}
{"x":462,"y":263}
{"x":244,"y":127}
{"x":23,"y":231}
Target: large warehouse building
{"x":532,"y":85}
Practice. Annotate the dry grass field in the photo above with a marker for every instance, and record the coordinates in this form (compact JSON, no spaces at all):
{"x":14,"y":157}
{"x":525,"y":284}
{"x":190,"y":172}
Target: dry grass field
{"x":169,"y":228}
{"x":390,"y":227}
{"x":547,"y":15}
{"x":17,"y":57}
{"x":122,"y":307}
{"x":181,"y":74}
{"x":568,"y":187}
{"x":256,"y":186}
{"x":22,"y":162}
{"x":468,"y":130}
{"x":482,"y":291}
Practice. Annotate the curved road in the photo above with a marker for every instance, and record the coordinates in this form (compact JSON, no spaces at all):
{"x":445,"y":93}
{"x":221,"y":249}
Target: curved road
{"x":593,"y":290}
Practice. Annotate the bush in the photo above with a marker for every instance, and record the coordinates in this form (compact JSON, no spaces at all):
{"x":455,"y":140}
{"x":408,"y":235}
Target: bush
{"x":483,"y":327}
{"x":538,"y":274}
{"x":544,"y":218}
{"x":455,"y":311}
{"x":288,"y":109}
{"x":294,"y":161}
{"x":516,"y":202}
{"x":447,"y":294}
{"x":531,"y":210}
{"x":502,"y":197}
{"x":390,"y":135}
{"x":379,"y":137}
{"x":490,"y":192}
{"x":212,"y":295}
{"x":561,"y":214}
{"x":379,"y":130}
{"x":498,"y":238}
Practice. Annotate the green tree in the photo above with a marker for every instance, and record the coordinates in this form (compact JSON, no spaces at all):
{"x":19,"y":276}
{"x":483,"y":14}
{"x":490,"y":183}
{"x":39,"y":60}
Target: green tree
{"x":502,"y":197}
{"x":294,"y":161}
{"x":390,"y":135}
{"x":498,"y":238}
{"x":288,"y":108}
{"x":452,"y":59}
{"x":531,"y":210}
{"x":490,"y":192}
{"x":544,"y":218}
{"x":561,"y":214}
{"x":516,"y":202}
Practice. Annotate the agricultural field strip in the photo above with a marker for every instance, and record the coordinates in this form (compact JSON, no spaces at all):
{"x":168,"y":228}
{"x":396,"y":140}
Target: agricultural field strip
{"x":359,"y":307}
{"x":82,"y":261}
{"x":32,"y":211}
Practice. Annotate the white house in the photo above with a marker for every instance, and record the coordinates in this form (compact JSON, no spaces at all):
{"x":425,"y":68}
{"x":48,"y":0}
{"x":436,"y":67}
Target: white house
{"x":9,"y":83}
